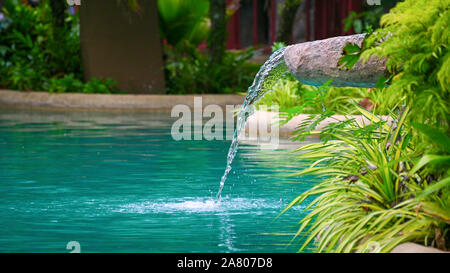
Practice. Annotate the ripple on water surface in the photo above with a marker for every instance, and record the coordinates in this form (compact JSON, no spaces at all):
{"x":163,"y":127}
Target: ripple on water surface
{"x":118,"y":182}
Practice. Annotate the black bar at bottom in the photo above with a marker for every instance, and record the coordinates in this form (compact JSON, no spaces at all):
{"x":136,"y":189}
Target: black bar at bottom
{"x":217,"y":262}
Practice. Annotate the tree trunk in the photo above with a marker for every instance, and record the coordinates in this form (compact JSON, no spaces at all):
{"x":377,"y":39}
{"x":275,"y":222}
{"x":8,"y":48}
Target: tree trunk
{"x":122,"y":45}
{"x":217,"y":37}
{"x":287,"y":16}
{"x":58,"y":9}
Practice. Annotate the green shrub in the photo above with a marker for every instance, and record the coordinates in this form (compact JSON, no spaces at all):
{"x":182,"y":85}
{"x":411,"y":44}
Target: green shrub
{"x":183,"y":20}
{"x":32,"y":49}
{"x":388,"y":184}
{"x":295,"y":98}
{"x":105,"y":86}
{"x":368,"y":18}
{"x":37,"y":55}
{"x":69,"y":83}
{"x":188,"y":71}
{"x":376,"y":192}
{"x":418,"y":57}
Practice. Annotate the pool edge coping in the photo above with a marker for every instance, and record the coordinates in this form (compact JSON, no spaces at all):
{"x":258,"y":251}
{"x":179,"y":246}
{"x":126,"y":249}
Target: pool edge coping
{"x":99,"y":102}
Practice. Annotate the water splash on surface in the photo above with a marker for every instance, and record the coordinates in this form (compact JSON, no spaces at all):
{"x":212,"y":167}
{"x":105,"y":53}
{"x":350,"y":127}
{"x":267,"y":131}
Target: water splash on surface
{"x":185,"y":205}
{"x":267,"y":77}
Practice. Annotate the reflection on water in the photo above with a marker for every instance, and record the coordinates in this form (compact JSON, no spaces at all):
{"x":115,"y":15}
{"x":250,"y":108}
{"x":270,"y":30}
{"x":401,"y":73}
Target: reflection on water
{"x":117,"y":182}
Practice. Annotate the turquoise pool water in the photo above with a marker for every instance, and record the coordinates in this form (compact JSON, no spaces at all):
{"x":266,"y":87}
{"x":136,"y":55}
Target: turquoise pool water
{"x":117,"y":182}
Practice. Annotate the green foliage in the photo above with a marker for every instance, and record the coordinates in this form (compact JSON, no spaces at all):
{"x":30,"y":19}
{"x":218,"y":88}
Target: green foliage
{"x":69,"y":83}
{"x":373,"y":198}
{"x":368,"y":18}
{"x":363,"y":20}
{"x":287,"y":11}
{"x":188,"y":71}
{"x":434,"y":136}
{"x":387,"y":183}
{"x":295,"y":98}
{"x":416,"y":39}
{"x":351,"y":55}
{"x":285,"y":94}
{"x":184,"y":24}
{"x":133,"y":5}
{"x":278,"y":45}
{"x":104,"y":86}
{"x":21,"y":77}
{"x":183,"y":20}
{"x":35,"y":54}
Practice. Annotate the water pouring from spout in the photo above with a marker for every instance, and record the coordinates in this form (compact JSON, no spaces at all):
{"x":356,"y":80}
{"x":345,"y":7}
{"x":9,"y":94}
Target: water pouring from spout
{"x":269,"y":73}
{"x":313,"y":63}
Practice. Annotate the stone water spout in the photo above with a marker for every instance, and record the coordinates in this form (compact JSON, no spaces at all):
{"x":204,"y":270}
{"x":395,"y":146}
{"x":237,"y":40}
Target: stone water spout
{"x":314,"y":63}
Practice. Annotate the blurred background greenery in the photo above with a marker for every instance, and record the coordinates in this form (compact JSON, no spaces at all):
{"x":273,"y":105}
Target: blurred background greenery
{"x":40,"y":43}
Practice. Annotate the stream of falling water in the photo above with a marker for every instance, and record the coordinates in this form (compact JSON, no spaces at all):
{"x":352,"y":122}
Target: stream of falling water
{"x":267,"y":77}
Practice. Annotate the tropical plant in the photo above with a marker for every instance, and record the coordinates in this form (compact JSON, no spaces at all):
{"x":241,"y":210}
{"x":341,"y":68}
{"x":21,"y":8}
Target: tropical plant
{"x":97,"y":85}
{"x":218,"y":34}
{"x":183,"y":20}
{"x":415,"y":40}
{"x":294,"y":98}
{"x":39,"y":52}
{"x":376,"y":193}
{"x":368,"y":18}
{"x":288,"y":10}
{"x":69,"y":83}
{"x":189,"y":71}
{"x":30,"y":40}
{"x":387,"y":182}
{"x":277,"y":45}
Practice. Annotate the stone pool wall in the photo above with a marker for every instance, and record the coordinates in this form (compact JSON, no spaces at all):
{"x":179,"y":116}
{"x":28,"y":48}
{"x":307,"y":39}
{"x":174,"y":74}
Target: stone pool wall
{"x":110,"y":102}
